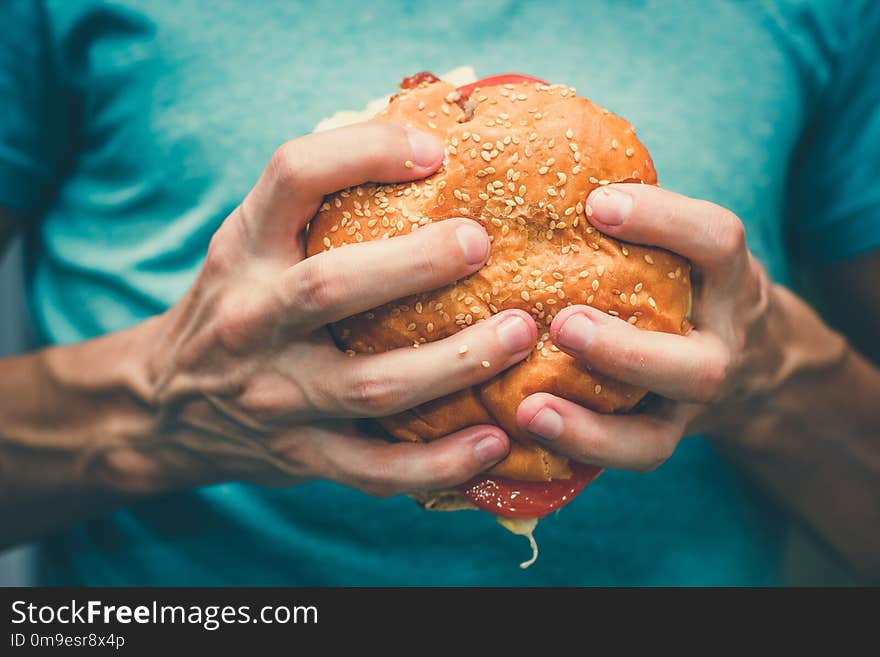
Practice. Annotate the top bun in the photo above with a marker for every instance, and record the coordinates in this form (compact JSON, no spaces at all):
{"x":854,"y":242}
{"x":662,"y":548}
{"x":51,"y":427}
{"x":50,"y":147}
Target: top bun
{"x":521,"y":159}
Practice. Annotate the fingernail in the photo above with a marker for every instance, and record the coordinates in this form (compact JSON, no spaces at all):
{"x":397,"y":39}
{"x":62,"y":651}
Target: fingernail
{"x":576,"y":332}
{"x":426,"y":149}
{"x":547,"y":423}
{"x":513,"y":334}
{"x":491,"y":448}
{"x":473,"y":241}
{"x":610,"y":206}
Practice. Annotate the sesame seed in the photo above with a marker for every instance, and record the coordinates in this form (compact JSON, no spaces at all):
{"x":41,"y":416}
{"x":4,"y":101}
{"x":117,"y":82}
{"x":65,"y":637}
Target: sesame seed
{"x":638,"y":287}
{"x":569,"y":134}
{"x":462,"y":350}
{"x":629,"y":152}
{"x":409,"y":164}
{"x":588,"y":209}
{"x":327,"y":242}
{"x":486,"y":364}
{"x":597,"y":389}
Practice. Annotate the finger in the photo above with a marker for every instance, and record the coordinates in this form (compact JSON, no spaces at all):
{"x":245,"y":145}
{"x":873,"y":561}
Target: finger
{"x":383,"y":384}
{"x":687,"y":368}
{"x":304,"y":170}
{"x":622,"y":442}
{"x":384,"y":469}
{"x":704,"y":233}
{"x":357,"y":277}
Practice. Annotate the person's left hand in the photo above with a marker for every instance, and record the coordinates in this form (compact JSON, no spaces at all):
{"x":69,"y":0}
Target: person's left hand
{"x":710,"y":380}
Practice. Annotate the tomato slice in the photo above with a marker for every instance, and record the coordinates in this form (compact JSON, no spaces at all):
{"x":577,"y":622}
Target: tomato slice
{"x":527,"y":499}
{"x":495,"y":80}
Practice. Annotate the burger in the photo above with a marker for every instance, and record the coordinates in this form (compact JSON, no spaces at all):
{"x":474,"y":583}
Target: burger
{"x":522,"y":156}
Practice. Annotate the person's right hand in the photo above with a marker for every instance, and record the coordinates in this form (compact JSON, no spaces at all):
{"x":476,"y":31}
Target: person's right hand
{"x":244,"y":375}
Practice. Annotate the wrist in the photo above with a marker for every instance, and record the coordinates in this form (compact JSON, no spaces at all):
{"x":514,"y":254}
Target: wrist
{"x":798,"y":356}
{"x":810,"y":349}
{"x":102,"y":411}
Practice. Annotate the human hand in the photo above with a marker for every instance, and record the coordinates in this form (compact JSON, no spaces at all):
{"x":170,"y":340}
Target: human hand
{"x":245,"y":376}
{"x":711,"y":380}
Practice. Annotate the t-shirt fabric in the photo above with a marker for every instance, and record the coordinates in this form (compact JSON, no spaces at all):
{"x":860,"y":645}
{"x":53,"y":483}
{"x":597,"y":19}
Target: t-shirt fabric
{"x":129,"y":130}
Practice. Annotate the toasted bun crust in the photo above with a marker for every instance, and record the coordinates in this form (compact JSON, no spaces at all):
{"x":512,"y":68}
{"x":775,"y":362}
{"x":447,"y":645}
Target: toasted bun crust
{"x":522,"y":166}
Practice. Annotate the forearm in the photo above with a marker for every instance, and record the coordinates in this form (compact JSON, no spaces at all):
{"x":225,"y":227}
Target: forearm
{"x":814,"y":441}
{"x":76,"y":424}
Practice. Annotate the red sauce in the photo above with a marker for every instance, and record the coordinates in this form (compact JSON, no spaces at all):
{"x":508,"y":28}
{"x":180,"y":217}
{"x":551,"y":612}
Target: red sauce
{"x":495,"y":80}
{"x":528,"y":499}
{"x":414,"y":81}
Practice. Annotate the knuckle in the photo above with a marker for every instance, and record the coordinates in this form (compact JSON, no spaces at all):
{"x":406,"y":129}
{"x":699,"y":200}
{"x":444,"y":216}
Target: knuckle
{"x":371,"y":393}
{"x":235,"y":325}
{"x":712,"y":377}
{"x":315,"y":288}
{"x":423,"y":264}
{"x":222,"y":254}
{"x":446,"y":471}
{"x":378,"y":478}
{"x":662,"y":451}
{"x":267,"y":398}
{"x":731,"y":236}
{"x":288,"y":164}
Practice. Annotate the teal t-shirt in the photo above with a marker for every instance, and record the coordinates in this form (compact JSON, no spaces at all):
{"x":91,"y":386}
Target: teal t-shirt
{"x":129,"y":130}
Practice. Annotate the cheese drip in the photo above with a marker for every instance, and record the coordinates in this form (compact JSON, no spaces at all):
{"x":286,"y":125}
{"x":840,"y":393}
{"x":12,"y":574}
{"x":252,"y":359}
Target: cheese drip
{"x":523,"y":527}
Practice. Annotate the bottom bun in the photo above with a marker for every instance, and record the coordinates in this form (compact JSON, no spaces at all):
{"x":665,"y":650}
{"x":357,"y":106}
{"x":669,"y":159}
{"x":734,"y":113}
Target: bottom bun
{"x":435,"y":419}
{"x":443,"y":500}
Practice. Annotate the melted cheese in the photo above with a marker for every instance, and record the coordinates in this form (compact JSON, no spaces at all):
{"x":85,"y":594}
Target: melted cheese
{"x":523,"y":527}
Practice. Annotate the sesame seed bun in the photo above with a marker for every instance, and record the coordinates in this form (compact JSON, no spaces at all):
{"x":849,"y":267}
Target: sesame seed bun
{"x":521,"y":159}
